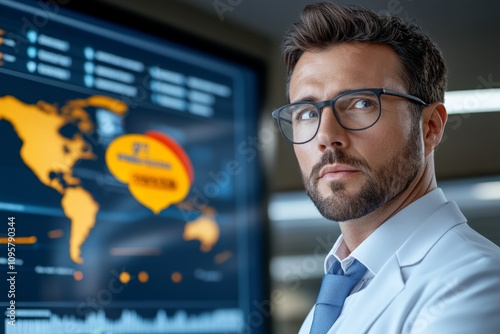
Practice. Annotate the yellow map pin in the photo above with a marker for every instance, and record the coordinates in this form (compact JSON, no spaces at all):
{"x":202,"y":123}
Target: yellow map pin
{"x":158,"y":172}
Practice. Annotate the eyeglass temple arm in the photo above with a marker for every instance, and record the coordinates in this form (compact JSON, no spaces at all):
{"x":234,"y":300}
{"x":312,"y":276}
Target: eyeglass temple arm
{"x":406,"y":96}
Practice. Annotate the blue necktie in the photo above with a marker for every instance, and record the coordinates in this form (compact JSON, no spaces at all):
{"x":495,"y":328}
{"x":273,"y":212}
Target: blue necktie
{"x":335,"y":287}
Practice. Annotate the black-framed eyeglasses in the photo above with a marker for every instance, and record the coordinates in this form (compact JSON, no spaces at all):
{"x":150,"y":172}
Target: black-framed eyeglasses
{"x":354,"y":110}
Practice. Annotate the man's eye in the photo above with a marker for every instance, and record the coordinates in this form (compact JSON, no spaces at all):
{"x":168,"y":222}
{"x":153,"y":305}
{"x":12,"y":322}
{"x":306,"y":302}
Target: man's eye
{"x":363,"y":104}
{"x":309,"y":114}
{"x":305,"y":114}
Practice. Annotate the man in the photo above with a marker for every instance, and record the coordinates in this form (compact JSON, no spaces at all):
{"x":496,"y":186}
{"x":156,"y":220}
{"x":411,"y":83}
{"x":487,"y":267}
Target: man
{"x":365,"y":116}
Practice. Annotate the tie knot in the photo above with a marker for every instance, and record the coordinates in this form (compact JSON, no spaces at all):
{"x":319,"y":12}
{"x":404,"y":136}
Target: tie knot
{"x":335,"y":287}
{"x":354,"y":269}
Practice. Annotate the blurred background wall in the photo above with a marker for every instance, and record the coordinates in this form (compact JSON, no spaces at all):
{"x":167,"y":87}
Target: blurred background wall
{"x":467,"y":161}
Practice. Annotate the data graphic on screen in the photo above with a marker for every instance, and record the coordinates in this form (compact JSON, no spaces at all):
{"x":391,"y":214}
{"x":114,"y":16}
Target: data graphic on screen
{"x":129,"y":180}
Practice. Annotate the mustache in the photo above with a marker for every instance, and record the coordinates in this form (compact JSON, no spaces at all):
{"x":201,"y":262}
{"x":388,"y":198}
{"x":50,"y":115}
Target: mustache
{"x":336,"y":156}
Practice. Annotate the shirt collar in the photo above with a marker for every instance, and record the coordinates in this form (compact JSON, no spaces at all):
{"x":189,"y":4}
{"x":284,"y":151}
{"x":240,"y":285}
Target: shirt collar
{"x":375,"y":250}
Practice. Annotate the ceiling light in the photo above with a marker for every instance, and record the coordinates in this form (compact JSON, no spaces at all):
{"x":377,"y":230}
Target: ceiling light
{"x":487,"y":190}
{"x":472,"y":101}
{"x":295,"y":206}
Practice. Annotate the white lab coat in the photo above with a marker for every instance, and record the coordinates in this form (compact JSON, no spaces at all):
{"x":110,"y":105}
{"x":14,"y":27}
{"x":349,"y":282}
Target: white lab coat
{"x":444,"y":279}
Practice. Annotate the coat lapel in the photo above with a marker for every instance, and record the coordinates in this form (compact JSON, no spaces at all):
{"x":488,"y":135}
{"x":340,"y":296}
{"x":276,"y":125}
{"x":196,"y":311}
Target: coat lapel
{"x":432,"y":229}
{"x":388,"y":283}
{"x":383,"y":289}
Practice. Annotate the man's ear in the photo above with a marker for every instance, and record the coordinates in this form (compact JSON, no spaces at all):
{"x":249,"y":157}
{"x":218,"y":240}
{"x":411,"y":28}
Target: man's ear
{"x":434,"y":118}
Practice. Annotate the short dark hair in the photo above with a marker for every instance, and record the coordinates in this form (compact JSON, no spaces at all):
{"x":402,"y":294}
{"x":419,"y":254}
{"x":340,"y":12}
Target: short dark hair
{"x":324,"y":24}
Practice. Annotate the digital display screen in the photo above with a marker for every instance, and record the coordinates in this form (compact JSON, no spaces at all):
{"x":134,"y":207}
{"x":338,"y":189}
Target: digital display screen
{"x":130,"y":189}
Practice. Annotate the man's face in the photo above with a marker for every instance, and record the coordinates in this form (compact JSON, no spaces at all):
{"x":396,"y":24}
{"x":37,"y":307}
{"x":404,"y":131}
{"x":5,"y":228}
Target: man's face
{"x":349,"y":174}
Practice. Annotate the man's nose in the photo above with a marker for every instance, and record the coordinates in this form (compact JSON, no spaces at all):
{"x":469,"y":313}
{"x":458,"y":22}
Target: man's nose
{"x":330,"y":132}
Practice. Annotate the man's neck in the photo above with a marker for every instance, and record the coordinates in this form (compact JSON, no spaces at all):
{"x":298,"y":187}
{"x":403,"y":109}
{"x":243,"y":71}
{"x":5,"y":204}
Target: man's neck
{"x":355,"y":231}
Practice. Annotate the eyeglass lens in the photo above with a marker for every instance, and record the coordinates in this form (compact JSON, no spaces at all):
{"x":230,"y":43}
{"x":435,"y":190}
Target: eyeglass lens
{"x":299,"y":122}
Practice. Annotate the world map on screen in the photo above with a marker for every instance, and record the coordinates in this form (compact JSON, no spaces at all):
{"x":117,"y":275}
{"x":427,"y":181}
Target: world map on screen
{"x":52,"y":156}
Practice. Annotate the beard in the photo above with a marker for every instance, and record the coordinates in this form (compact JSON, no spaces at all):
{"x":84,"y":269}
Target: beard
{"x":382,"y":185}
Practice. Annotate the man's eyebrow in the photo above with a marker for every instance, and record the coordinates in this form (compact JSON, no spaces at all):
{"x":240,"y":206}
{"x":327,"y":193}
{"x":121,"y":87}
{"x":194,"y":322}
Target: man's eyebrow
{"x":312,"y":98}
{"x":307,"y":98}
